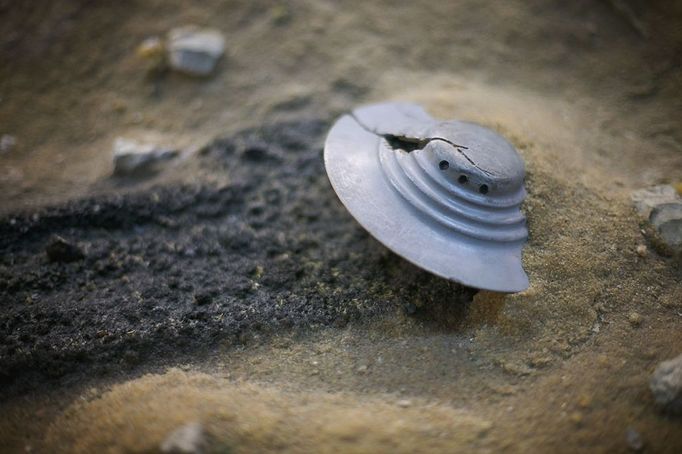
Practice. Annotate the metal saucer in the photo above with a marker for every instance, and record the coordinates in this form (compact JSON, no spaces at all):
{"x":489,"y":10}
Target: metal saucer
{"x":444,"y":195}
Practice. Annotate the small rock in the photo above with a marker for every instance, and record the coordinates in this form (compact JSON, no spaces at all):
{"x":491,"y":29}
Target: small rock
{"x":667,"y":219}
{"x":666,"y":385}
{"x":150,"y":49}
{"x":641,"y":250}
{"x":362,"y":369}
{"x":60,"y":250}
{"x":404,"y":403}
{"x":634,"y":439}
{"x":188,"y":439}
{"x":646,"y":199}
{"x":7,"y":142}
{"x":195,"y":51}
{"x":256,"y":154}
{"x":635,"y":319}
{"x":131,"y":157}
{"x":203,"y":298}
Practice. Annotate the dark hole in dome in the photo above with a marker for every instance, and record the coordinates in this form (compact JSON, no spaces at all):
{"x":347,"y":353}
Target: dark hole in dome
{"x":483,"y":189}
{"x":463,"y":179}
{"x":443,"y":165}
{"x":405,"y":143}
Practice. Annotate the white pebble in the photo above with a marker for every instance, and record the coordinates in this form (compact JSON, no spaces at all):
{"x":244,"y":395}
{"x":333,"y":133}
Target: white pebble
{"x":194,"y":50}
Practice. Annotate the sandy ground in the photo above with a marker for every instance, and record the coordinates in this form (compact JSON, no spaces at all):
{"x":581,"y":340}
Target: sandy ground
{"x":590,"y":93}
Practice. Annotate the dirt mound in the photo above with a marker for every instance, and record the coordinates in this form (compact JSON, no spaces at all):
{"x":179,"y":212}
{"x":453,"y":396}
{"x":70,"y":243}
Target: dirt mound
{"x":250,"y":418}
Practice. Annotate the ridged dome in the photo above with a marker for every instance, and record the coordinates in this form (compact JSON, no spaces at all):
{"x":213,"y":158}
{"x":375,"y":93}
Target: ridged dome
{"x":444,"y":195}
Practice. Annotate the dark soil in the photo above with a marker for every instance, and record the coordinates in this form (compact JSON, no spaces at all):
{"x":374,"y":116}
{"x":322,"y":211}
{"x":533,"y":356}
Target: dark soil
{"x":177,"y":270}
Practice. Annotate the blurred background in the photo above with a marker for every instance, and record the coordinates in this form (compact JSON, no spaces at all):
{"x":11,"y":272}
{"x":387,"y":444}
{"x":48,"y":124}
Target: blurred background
{"x":76,"y":75}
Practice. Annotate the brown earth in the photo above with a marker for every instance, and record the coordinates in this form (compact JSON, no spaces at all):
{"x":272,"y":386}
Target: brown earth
{"x":590,"y":93}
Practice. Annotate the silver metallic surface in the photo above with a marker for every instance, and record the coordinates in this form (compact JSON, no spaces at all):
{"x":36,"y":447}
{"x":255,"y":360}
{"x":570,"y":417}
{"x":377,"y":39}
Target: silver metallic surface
{"x":444,"y":195}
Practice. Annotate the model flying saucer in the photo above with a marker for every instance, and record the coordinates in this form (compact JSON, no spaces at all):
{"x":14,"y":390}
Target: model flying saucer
{"x":444,"y":195}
